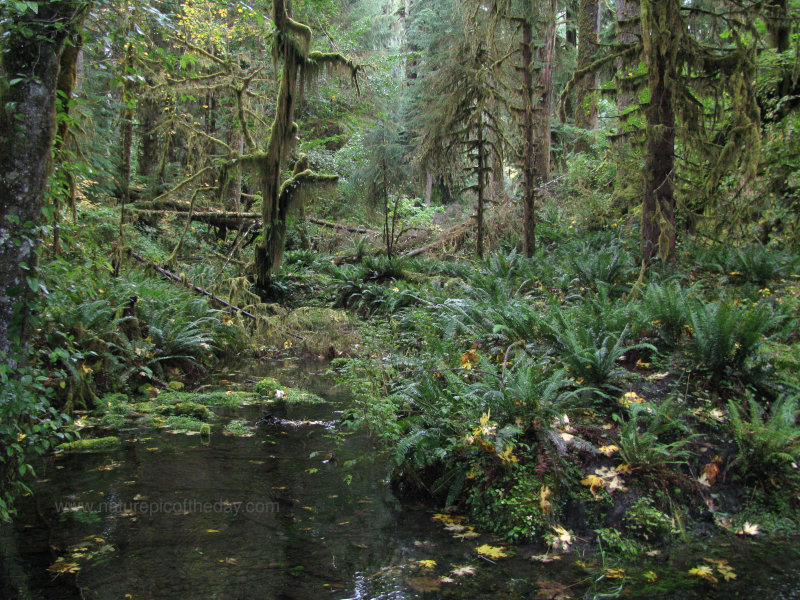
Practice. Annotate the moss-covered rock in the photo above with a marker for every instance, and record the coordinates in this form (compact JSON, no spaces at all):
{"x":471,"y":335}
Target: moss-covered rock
{"x":179,"y":423}
{"x":186,"y":409}
{"x":90,"y":445}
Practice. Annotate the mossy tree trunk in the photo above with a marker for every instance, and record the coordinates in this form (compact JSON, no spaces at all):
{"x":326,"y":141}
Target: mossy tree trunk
{"x":661,"y":33}
{"x":67,"y":77}
{"x":586,"y":89}
{"x":31,"y":63}
{"x":292,"y":47}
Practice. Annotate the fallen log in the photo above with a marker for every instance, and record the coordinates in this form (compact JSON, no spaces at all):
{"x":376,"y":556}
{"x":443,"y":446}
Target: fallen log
{"x":227,"y":219}
{"x":452,"y":234}
{"x":171,"y":276}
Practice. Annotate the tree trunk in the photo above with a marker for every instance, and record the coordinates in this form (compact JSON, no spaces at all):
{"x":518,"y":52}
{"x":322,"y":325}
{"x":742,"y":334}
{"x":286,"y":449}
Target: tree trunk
{"x":67,"y":76}
{"x":269,"y":252}
{"x":528,"y":164}
{"x":628,"y":181}
{"x":586,"y":89}
{"x":659,"y":25}
{"x":547,"y":41}
{"x":628,"y":31}
{"x":27,"y":130}
{"x":147,"y":161}
{"x":481,"y":191}
{"x":126,"y":136}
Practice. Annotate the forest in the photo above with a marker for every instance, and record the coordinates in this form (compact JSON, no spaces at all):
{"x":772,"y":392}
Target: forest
{"x":399,"y":298}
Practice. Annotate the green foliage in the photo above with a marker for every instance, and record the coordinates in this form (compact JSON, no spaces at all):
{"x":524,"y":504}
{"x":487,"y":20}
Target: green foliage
{"x":29,"y":427}
{"x":591,"y":354}
{"x":768,"y":441}
{"x":726,"y":336}
{"x":666,"y":308}
{"x":611,"y":266}
{"x":647,"y":522}
{"x":105,"y":334}
{"x":267,"y":387}
{"x":510,"y":506}
{"x":644,"y":431}
{"x":754,"y":263}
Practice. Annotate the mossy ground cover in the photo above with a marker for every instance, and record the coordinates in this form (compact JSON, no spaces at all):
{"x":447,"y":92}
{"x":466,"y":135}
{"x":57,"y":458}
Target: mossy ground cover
{"x":186,"y":411}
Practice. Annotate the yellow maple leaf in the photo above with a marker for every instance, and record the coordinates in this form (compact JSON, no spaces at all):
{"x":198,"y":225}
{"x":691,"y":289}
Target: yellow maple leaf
{"x":507,"y":455}
{"x":748,"y":529}
{"x":562,"y":538}
{"x":544,"y":499}
{"x":608,"y":450}
{"x":615,"y":573}
{"x":650,"y":576}
{"x":705,"y":572}
{"x":447,"y":519}
{"x":594,"y":482}
{"x":426,"y":563}
{"x":491,"y":551}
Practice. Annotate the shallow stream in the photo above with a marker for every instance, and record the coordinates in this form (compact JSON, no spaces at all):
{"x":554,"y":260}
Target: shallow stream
{"x":302,"y":511}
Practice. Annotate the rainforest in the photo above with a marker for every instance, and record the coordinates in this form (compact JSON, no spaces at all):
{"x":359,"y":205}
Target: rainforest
{"x":377,"y":299}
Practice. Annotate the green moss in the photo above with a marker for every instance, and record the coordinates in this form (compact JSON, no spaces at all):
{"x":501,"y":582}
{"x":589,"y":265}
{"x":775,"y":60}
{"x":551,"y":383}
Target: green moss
{"x":175,"y":385}
{"x":186,"y":409}
{"x":785,"y":359}
{"x":112,"y":421}
{"x":647,"y":522}
{"x":184,"y":423}
{"x":229,"y":398}
{"x":238,"y":428}
{"x":267,"y":387}
{"x":297,"y":396}
{"x":89,"y":445}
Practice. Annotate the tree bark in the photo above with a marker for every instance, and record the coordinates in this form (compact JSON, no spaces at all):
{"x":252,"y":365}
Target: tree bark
{"x":586,"y":89}
{"x":528,"y":164}
{"x":481,"y":190}
{"x":659,"y":26}
{"x":27,"y":129}
{"x":67,"y":77}
{"x":628,"y":181}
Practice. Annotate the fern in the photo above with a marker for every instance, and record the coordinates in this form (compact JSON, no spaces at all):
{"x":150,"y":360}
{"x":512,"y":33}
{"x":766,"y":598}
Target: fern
{"x":768,"y":442}
{"x":726,"y":337}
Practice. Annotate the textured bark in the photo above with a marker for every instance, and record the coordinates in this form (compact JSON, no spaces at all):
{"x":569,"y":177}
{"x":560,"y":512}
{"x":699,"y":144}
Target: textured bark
{"x":280,"y":198}
{"x":126,"y":136}
{"x":67,"y":77}
{"x":628,"y":182}
{"x":269,"y":252}
{"x":659,"y":20}
{"x":628,"y":31}
{"x":147,"y":160}
{"x":546,"y":52}
{"x":27,"y":130}
{"x":528,"y":164}
{"x":587,"y":88}
{"x":481,"y":190}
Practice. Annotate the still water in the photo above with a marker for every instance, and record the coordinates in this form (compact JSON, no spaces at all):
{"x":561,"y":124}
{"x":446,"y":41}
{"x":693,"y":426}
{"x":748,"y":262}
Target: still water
{"x":301,"y":510}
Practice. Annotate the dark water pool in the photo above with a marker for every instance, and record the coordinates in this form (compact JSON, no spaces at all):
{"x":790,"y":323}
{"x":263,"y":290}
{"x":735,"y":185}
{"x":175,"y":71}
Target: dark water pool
{"x":298,"y":512}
